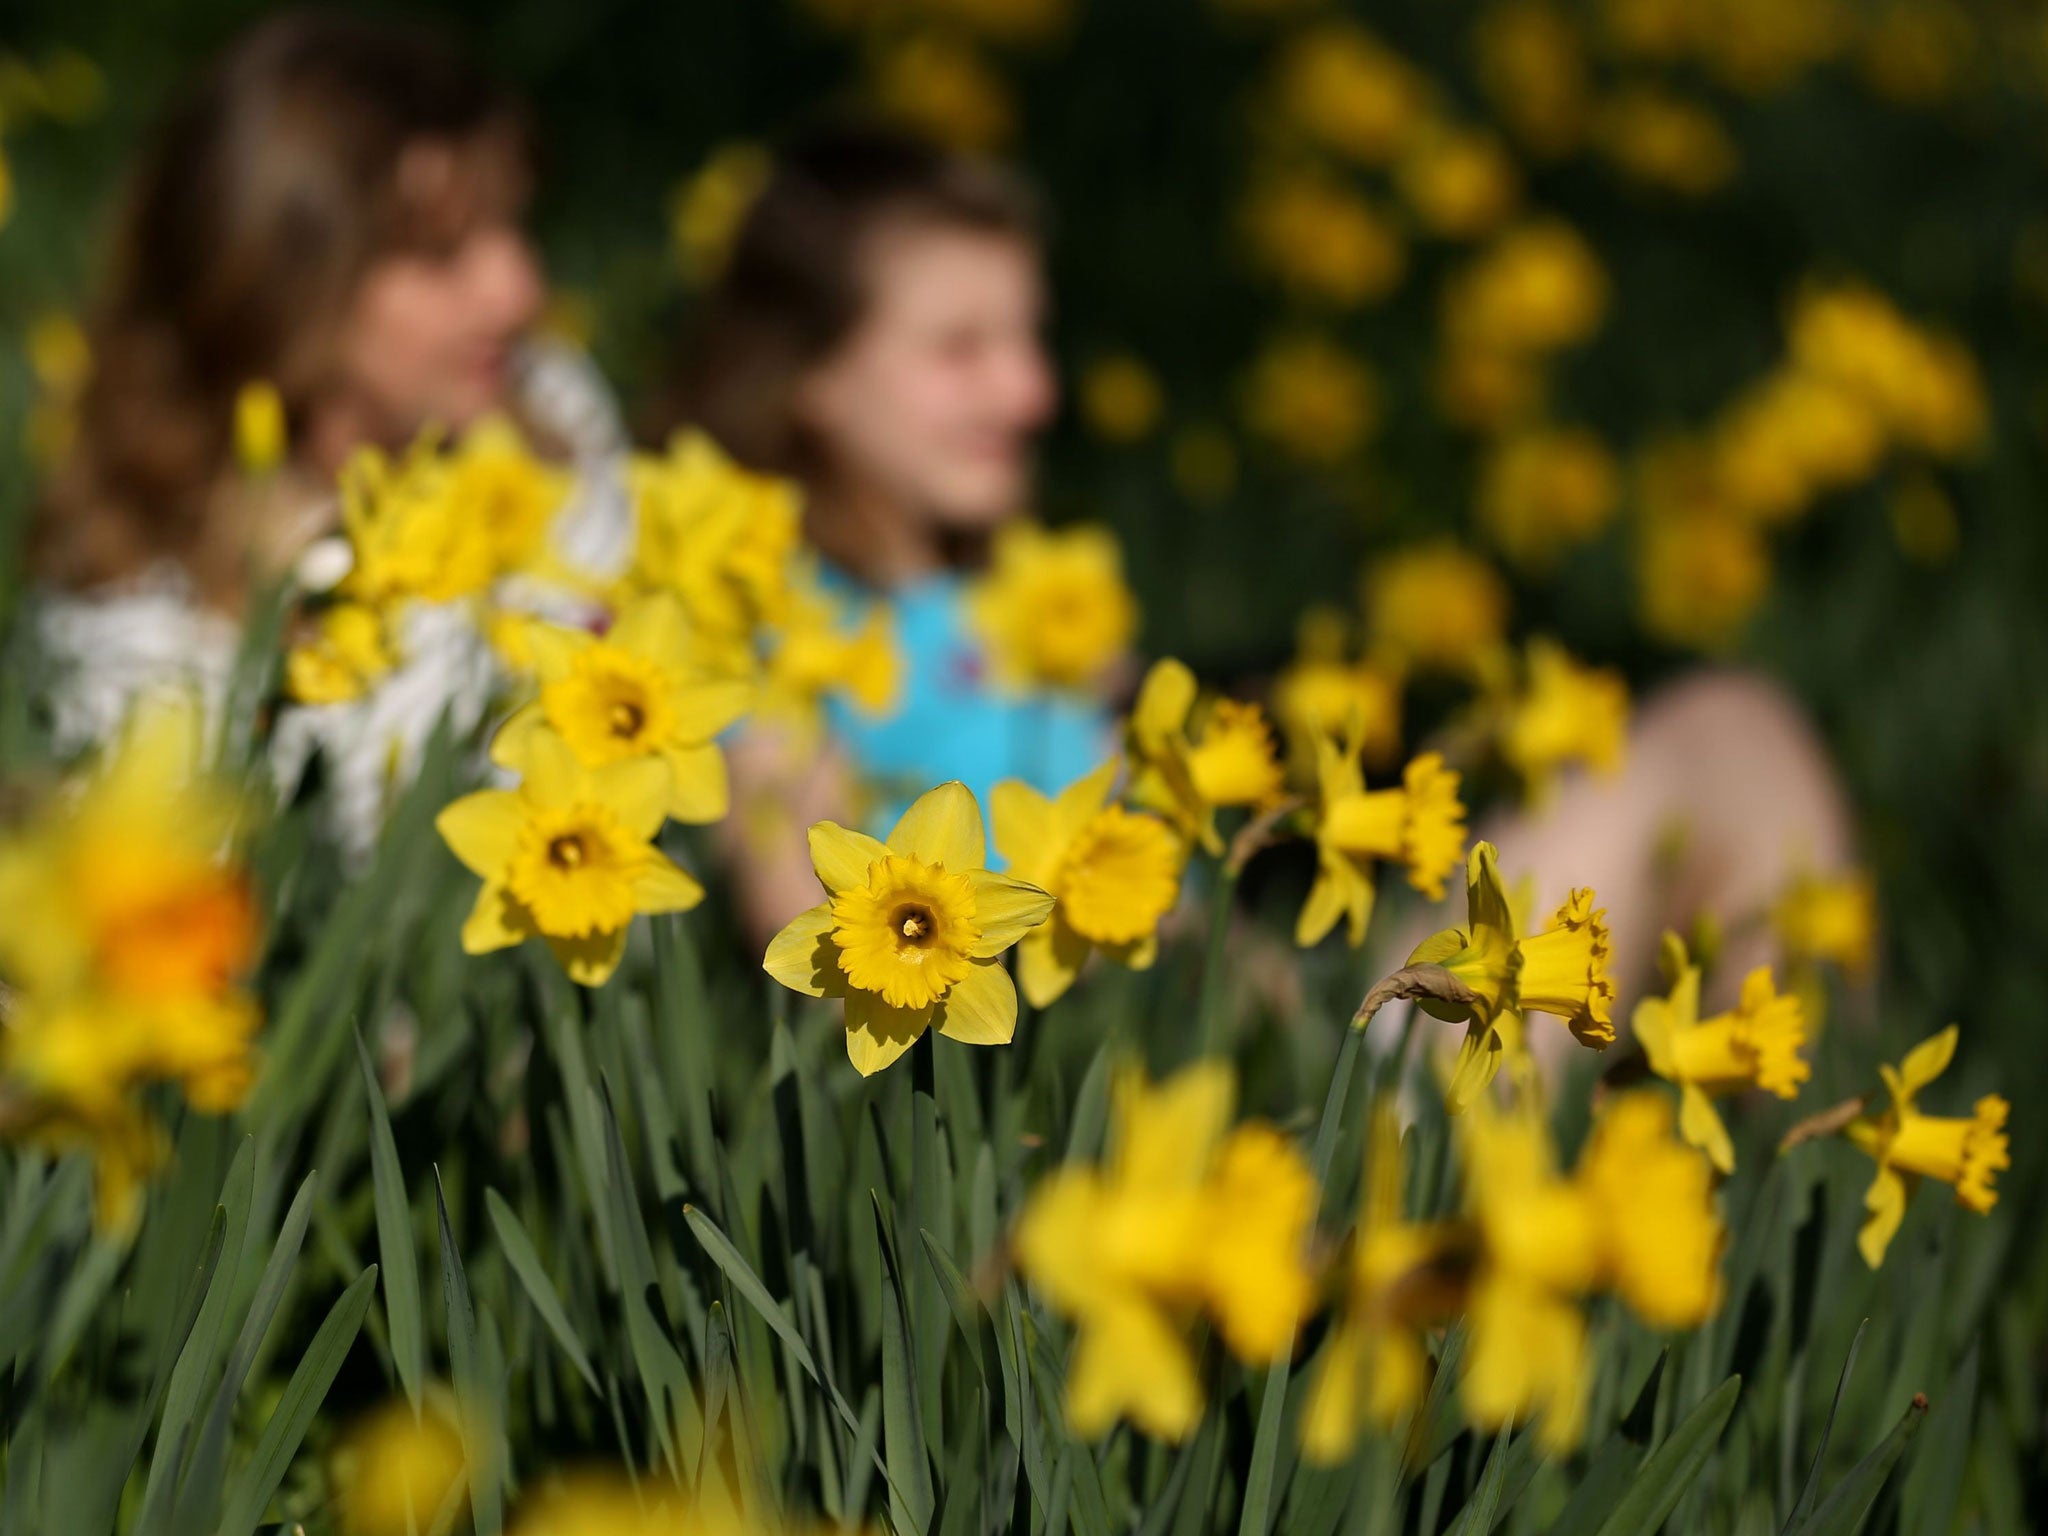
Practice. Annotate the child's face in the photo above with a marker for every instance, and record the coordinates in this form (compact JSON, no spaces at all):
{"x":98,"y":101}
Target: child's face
{"x":936,"y":397}
{"x":430,"y":335}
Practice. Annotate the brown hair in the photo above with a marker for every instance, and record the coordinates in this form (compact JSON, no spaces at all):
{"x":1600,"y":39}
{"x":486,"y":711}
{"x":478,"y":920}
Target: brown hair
{"x":792,"y":290}
{"x":269,"y":191}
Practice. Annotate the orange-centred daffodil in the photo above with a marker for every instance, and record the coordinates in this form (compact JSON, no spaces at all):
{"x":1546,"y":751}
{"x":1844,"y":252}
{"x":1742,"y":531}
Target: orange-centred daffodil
{"x":1420,"y":825}
{"x":1754,"y":1045}
{"x":1113,"y":874}
{"x":630,"y":694}
{"x":911,"y":931}
{"x":568,"y":856}
{"x":1966,"y":1151}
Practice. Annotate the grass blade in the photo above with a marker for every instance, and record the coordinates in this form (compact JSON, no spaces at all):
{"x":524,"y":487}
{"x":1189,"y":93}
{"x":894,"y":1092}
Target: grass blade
{"x":397,"y":1261}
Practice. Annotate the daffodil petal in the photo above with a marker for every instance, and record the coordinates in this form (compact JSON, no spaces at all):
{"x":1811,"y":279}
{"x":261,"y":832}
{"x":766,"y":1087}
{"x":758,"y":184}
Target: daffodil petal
{"x":1486,"y":898}
{"x":842,"y":856}
{"x":1129,"y":1360}
{"x":550,"y":773}
{"x":495,"y":922}
{"x":1927,"y":1061}
{"x":1164,"y":699}
{"x":876,"y":1034}
{"x":1021,"y":820}
{"x":700,"y":792}
{"x":637,"y":790}
{"x":482,"y":829}
{"x":943,"y":827}
{"x":980,"y":1008}
{"x":590,"y":961}
{"x":665,"y":886}
{"x":652,"y":626}
{"x":1084,"y":797}
{"x":553,"y":648}
{"x":1479,"y":1058}
{"x":1048,"y":959}
{"x":1885,"y":1201}
{"x":1005,"y":910}
{"x":1701,"y":1125}
{"x":509,"y":748}
{"x":803,"y":957}
{"x":702,"y":710}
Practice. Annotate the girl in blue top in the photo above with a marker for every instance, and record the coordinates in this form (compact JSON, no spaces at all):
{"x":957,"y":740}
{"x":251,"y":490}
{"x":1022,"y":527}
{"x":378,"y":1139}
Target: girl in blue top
{"x":875,"y":336}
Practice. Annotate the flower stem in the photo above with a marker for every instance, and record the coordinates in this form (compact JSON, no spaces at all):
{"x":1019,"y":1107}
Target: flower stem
{"x":1209,"y":1007}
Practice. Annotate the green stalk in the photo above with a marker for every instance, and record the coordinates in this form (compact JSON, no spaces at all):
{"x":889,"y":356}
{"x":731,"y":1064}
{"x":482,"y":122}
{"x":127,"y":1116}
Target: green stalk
{"x":1209,"y":1007}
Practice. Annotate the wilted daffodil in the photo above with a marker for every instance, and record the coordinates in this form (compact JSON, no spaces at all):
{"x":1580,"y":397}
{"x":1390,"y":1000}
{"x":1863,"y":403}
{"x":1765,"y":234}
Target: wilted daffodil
{"x":1559,"y":970}
{"x":1113,"y":874}
{"x":911,"y":931}
{"x":1420,"y":825}
{"x":1187,"y":763}
{"x":628,"y":695}
{"x":1754,"y":1045}
{"x":1184,"y":1217}
{"x":1908,"y":1146}
{"x":1398,"y":1279}
{"x":1053,"y":608}
{"x":568,"y":856}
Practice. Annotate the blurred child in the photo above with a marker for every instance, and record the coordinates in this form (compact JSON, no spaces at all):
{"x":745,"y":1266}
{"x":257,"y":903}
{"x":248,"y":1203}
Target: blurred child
{"x":875,"y":337}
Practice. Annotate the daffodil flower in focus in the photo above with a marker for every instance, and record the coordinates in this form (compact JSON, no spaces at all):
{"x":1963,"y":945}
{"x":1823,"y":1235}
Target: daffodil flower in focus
{"x":568,"y":856}
{"x":627,"y":695}
{"x":1966,"y":1151}
{"x":1420,"y":825}
{"x":1113,"y":874}
{"x":1754,"y":1045}
{"x":1559,"y":970}
{"x":1188,"y":763}
{"x":911,"y":931}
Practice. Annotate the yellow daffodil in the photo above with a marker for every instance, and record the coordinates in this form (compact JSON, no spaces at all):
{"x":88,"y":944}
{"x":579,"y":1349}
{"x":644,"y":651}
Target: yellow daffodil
{"x":1564,"y":713}
{"x":1053,"y":609}
{"x":1559,"y":970}
{"x":1435,"y":606}
{"x":1828,"y":918}
{"x":499,"y":485}
{"x":1311,"y":399}
{"x":347,"y":651}
{"x":1112,"y":873}
{"x":1908,"y":1146}
{"x":1120,"y":398}
{"x":568,"y":856}
{"x":1532,"y":65}
{"x":1421,"y":825}
{"x":1398,"y":1279}
{"x":1187,"y":763}
{"x":260,"y":431}
{"x":942,"y":86}
{"x":1661,"y":139}
{"x":628,"y":695}
{"x":590,"y":1504}
{"x":1184,"y":1218}
{"x":1660,"y":1238}
{"x":1323,"y":241}
{"x":717,"y":535}
{"x":409,"y":535}
{"x":1754,"y":1045}
{"x":1343,"y":87}
{"x":1322,"y":693}
{"x":1539,"y":1244}
{"x":911,"y":931}
{"x":814,"y":653}
{"x":1699,"y":577}
{"x":394,"y":1471}
{"x":1926,"y":387}
{"x":1538,"y":287}
{"x":1544,"y":489}
{"x":1460,"y":182}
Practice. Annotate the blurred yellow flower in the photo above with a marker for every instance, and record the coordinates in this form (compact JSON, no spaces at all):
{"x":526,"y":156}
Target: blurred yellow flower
{"x":1564,"y":713}
{"x":60,"y":357}
{"x":1792,"y":437}
{"x":1348,"y":91}
{"x":1434,"y":606}
{"x":1699,"y":578}
{"x":1537,"y":287}
{"x":1183,"y":1217}
{"x":815,"y":651}
{"x":1831,"y":918}
{"x":1662,"y":140}
{"x":1322,"y":693}
{"x":1532,"y":65}
{"x":1421,"y":826}
{"x":604,"y":1504}
{"x":568,"y":856}
{"x":261,"y":439}
{"x":1924,"y":385}
{"x":347,"y":652}
{"x":627,"y":695}
{"x":1186,"y":763}
{"x":1053,"y":608}
{"x":1659,"y":1236}
{"x":1487,"y":389}
{"x":1113,"y":875}
{"x":945,"y":87}
{"x":709,"y":208}
{"x":1460,"y":182}
{"x":1321,"y":240}
{"x":1544,"y":488}
{"x":1968,"y":1152}
{"x":1755,"y":1045}
{"x":911,"y":931}
{"x":1120,"y":398}
{"x":1311,"y":399}
{"x":1916,"y":53}
{"x":394,"y":1471}
{"x":717,"y":535}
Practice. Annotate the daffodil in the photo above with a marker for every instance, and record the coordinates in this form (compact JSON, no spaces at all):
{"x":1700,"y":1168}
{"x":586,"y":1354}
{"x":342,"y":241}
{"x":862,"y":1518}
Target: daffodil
{"x":1120,"y":398}
{"x":1754,"y":1045}
{"x":1324,"y":693}
{"x":394,"y":1470}
{"x":911,"y":932}
{"x":568,"y":856}
{"x":1560,"y":970}
{"x":1435,"y":606}
{"x":1311,"y":399}
{"x":1660,"y":1238}
{"x":1186,"y":763}
{"x":1420,"y":825}
{"x":1831,"y":918}
{"x":498,"y":484}
{"x":1053,"y":609}
{"x":815,"y":651}
{"x":1967,"y":1151}
{"x":260,"y":429}
{"x":717,"y":535}
{"x":1184,"y":1218}
{"x":1542,"y":490}
{"x":1112,"y":873}
{"x":1564,"y":713}
{"x":347,"y":651}
{"x":1539,"y":1244}
{"x":627,"y":695}
{"x":408,"y":537}
{"x":1398,"y":1279}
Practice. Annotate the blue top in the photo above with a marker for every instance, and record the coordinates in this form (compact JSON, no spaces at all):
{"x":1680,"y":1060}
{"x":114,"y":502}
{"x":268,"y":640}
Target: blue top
{"x":950,"y":721}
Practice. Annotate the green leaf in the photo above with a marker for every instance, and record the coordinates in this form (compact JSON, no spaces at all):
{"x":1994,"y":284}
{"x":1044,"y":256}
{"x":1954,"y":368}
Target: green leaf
{"x":1845,"y":1509}
{"x":479,"y":1455}
{"x":249,"y":1493}
{"x":1934,"y":1483}
{"x":1477,"y":1517}
{"x":519,"y":1253}
{"x":397,"y":1261}
{"x":1811,"y":1491}
{"x":904,"y":1454}
{"x":1671,"y":1468}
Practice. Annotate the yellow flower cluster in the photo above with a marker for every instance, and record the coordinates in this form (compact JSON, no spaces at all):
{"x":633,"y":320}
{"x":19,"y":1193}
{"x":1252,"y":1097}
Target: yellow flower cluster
{"x":1535,"y":290}
{"x":1187,"y":1218}
{"x":130,"y":931}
